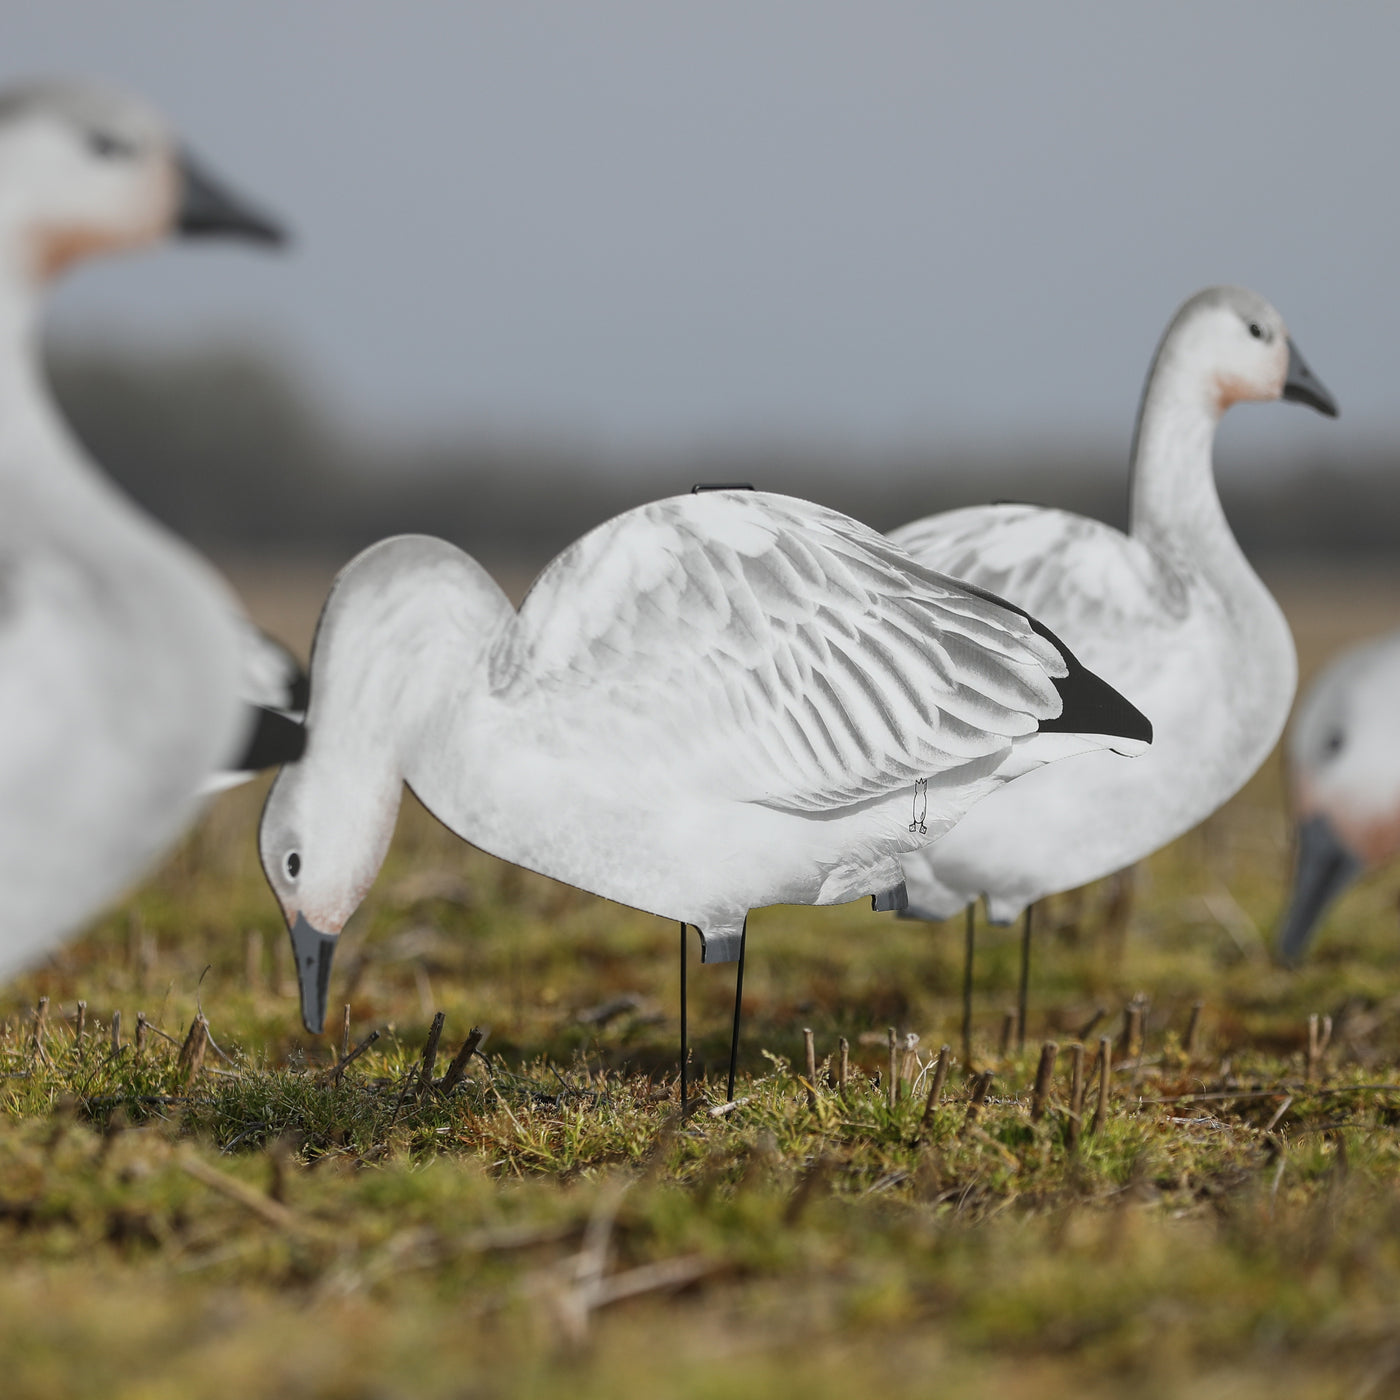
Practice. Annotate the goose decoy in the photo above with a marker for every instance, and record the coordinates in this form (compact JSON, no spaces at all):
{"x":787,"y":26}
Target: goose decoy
{"x":124,"y":652}
{"x":273,"y":687}
{"x":1344,"y":783}
{"x":706,"y":705}
{"x":1170,"y":613}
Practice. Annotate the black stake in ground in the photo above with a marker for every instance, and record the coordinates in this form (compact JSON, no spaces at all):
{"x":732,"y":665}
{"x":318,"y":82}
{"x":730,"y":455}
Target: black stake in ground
{"x":968,"y":939}
{"x":684,"y":1046}
{"x":1024,"y":995}
{"x":738,"y":1007}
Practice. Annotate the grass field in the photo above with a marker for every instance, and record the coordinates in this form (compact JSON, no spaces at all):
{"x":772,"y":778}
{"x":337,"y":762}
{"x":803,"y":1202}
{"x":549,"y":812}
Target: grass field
{"x":244,"y":1223}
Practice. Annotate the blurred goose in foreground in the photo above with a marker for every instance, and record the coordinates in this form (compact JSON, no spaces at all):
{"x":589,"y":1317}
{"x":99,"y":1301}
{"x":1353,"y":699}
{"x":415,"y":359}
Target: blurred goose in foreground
{"x":1344,"y":780}
{"x":1171,"y":614}
{"x":85,"y":170}
{"x":706,"y":705}
{"x":124,"y":654}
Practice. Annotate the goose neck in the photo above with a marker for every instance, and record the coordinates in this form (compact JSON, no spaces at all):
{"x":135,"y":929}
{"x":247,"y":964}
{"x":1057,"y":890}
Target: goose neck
{"x":400,"y":650}
{"x":1173,"y":502}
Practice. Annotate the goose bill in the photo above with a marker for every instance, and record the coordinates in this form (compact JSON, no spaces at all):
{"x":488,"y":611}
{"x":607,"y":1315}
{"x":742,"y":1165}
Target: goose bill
{"x":1301,"y":385}
{"x":313,"y":951}
{"x":1323,"y":868}
{"x":209,"y":208}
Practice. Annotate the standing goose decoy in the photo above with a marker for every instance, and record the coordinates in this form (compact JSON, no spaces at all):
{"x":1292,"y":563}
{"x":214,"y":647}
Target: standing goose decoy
{"x":123,"y":653}
{"x":1171,"y":614}
{"x":706,"y":705}
{"x":1344,"y":782}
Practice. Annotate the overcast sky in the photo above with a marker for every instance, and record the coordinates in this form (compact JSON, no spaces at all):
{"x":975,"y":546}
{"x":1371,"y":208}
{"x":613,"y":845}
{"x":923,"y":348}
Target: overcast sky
{"x":867,"y":224}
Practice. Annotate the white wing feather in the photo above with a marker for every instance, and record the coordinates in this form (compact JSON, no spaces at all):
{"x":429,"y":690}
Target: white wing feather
{"x":789,"y":655}
{"x":1093,"y":585}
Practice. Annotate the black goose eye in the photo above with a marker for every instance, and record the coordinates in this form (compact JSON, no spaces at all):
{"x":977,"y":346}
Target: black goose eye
{"x":1332,"y":744}
{"x":109,"y":147}
{"x":293,"y":865}
{"x":1255,"y":330}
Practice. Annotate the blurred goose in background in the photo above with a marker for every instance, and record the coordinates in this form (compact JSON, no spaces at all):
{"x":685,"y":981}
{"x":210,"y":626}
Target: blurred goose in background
{"x":706,"y":705}
{"x":123,"y":653}
{"x":1344,"y":783}
{"x":86,"y":170}
{"x":1171,"y":614}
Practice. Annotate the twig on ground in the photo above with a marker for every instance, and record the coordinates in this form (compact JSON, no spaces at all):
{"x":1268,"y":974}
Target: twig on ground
{"x":430,"y":1050}
{"x":334,"y":1073}
{"x":721,"y":1109}
{"x":261,"y":1205}
{"x":935,"y":1088}
{"x":980,"y":1085}
{"x":36,"y":1045}
{"x":1092,"y":1024}
{"x":1193,"y":1027}
{"x":1278,"y":1114}
{"x":1105,"y":1075}
{"x":1319,"y":1037}
{"x":1076,"y":1092}
{"x":457,"y":1070}
{"x":1044,"y":1071}
{"x":191,"y":1060}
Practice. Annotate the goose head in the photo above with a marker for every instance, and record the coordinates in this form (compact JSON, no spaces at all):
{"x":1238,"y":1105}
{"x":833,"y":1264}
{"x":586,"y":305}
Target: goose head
{"x":1344,"y":768}
{"x":86,"y":170}
{"x":325,"y":831}
{"x":1236,"y":347}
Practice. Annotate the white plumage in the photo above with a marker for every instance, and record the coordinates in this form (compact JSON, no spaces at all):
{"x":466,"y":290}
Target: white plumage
{"x":1171,"y":614}
{"x":708,"y":704}
{"x":1344,"y":782}
{"x":120,"y":650}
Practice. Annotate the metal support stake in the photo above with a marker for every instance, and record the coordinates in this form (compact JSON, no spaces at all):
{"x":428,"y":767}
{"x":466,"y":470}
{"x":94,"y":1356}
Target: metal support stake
{"x":738,"y":1007}
{"x":1024,"y":996}
{"x":968,"y":939}
{"x":684,"y":1046}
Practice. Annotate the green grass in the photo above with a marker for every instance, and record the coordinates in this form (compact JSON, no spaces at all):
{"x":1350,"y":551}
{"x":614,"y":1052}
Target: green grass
{"x":553,"y":1227}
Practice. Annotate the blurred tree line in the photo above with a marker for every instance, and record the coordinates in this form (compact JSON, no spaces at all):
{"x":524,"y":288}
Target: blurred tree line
{"x":229,"y":448}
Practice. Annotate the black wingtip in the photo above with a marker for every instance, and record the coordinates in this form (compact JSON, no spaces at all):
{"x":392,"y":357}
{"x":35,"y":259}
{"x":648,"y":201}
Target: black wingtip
{"x":1091,"y":705}
{"x":275,"y":740}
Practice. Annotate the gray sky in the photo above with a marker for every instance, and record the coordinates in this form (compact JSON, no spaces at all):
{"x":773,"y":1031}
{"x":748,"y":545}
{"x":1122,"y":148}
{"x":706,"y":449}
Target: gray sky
{"x":867,"y":225}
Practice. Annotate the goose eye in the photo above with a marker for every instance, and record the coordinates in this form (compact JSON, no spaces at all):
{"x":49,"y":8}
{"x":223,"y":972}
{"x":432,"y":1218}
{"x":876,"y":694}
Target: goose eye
{"x":293,"y":865}
{"x":1256,"y":330}
{"x":109,"y":147}
{"x":1332,"y":744}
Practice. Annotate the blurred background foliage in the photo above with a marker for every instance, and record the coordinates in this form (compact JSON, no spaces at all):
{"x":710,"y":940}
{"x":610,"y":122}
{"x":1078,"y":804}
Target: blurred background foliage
{"x":231,"y":445}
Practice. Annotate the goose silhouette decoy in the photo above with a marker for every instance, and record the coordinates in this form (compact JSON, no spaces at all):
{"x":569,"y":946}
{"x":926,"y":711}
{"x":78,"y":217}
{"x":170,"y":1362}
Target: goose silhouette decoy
{"x":1170,"y":613}
{"x":1344,"y":784}
{"x":706,"y":705}
{"x":123,"y":652}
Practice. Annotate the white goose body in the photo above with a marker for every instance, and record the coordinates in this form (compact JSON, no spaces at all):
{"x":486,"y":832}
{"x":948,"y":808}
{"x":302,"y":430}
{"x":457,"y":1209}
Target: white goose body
{"x":121,"y":652}
{"x":1171,"y":614}
{"x":706,"y":705}
{"x":119,"y":673}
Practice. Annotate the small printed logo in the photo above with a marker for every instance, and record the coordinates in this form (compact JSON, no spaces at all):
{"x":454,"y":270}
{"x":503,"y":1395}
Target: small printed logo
{"x":920,"y":806}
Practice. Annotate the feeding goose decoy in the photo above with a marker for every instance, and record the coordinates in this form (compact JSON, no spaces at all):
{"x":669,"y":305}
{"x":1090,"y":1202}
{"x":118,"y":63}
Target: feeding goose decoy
{"x":1344,"y":783}
{"x":1170,"y":613}
{"x":124,"y":653}
{"x":706,"y":705}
